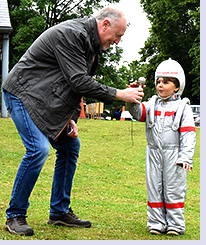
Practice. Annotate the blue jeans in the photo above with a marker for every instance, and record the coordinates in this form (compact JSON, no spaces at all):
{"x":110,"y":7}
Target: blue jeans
{"x":37,"y":150}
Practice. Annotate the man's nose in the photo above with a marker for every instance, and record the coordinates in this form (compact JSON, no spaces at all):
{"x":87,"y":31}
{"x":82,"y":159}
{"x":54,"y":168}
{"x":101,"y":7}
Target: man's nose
{"x":117,"y":40}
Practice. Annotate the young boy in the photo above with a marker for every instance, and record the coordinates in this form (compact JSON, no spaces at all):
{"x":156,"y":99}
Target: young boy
{"x":171,"y":138}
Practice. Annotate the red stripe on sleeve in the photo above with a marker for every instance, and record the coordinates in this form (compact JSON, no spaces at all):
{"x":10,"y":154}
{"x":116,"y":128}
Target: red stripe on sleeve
{"x":186,"y":129}
{"x":143,"y":117}
{"x":174,"y":205}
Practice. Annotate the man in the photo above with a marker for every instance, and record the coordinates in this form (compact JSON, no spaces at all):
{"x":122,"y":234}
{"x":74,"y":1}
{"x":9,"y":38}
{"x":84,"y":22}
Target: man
{"x":43,"y":93}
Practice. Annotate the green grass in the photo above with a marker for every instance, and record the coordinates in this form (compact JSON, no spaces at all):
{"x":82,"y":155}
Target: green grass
{"x":109,"y":186}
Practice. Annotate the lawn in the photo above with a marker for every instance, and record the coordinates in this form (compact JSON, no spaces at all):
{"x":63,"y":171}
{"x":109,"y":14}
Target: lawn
{"x":109,"y":186}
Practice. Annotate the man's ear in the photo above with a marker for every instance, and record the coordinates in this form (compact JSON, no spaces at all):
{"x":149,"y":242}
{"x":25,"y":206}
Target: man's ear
{"x":105,"y":24}
{"x":177,"y":89}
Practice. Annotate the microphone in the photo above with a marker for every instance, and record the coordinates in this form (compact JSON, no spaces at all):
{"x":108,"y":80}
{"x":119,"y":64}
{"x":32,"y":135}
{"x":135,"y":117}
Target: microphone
{"x":141,"y":81}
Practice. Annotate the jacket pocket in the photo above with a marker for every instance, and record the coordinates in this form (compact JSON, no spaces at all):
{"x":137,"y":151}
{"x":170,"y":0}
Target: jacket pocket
{"x":63,"y":91}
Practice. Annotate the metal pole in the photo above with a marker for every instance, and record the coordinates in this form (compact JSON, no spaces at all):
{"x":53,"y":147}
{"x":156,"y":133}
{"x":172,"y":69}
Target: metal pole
{"x":5,"y":68}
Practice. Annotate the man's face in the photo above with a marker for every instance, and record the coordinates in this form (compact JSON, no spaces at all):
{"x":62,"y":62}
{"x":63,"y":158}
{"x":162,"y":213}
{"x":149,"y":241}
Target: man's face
{"x":109,"y":34}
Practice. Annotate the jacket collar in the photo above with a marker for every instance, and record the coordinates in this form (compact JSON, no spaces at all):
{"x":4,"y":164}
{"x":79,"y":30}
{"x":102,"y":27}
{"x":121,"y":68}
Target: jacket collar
{"x":91,"y":26}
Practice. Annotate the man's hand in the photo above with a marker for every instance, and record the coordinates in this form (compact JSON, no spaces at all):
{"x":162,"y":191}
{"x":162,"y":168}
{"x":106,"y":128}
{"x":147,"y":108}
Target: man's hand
{"x":131,"y":95}
{"x":72,"y":130}
{"x":135,"y":85}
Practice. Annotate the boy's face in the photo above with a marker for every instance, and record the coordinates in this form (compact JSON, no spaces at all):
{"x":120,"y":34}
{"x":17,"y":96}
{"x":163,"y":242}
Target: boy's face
{"x":165,"y":87}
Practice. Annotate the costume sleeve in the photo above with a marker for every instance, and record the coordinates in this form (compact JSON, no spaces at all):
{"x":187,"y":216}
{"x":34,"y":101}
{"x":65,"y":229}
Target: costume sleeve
{"x":138,"y":111}
{"x":187,"y":137}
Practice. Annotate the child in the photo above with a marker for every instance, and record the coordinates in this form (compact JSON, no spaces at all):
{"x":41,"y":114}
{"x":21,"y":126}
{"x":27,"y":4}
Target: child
{"x":171,"y":138}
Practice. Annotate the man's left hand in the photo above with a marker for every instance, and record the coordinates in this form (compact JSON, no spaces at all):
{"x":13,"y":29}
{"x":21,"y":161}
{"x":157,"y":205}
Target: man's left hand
{"x":72,"y":130}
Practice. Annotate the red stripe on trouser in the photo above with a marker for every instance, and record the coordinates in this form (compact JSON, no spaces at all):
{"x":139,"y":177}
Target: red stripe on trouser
{"x":174,"y":205}
{"x":155,"y":204}
{"x":186,"y":129}
{"x":167,"y":205}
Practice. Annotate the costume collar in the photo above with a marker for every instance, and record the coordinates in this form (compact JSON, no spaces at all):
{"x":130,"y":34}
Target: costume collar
{"x":169,"y":98}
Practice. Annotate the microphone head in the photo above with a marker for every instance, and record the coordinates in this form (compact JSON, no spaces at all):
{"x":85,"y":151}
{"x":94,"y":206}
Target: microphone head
{"x":141,"y":80}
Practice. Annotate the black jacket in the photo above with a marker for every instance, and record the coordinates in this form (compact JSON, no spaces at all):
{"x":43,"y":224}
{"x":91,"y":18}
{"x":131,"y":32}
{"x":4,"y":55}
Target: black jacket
{"x":55,"y":72}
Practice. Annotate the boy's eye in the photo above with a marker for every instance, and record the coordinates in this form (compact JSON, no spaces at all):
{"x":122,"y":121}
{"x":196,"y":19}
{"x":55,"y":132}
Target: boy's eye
{"x":165,"y":82}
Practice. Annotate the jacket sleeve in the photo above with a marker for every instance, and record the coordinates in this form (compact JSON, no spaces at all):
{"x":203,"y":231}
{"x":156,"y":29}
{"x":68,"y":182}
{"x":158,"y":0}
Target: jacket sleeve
{"x":70,"y":52}
{"x":76,"y":114}
{"x":187,"y":137}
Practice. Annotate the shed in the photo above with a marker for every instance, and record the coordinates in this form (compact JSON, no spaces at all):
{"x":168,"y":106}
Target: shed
{"x":5,"y":29}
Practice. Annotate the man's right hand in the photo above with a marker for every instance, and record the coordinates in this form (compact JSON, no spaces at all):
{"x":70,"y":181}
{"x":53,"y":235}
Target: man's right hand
{"x":131,"y":95}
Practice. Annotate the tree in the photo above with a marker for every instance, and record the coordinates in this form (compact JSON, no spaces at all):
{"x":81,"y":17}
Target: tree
{"x":29,"y":18}
{"x":174,"y":33}
{"x":194,"y":54}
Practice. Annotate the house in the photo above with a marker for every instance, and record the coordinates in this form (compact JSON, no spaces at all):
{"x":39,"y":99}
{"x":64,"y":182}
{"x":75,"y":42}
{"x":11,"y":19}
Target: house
{"x":5,"y":29}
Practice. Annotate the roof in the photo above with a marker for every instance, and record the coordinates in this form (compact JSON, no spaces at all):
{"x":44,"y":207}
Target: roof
{"x":5,"y":24}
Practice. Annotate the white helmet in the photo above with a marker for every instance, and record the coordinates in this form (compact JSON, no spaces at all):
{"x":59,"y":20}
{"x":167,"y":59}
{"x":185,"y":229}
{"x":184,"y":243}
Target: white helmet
{"x":171,"y":68}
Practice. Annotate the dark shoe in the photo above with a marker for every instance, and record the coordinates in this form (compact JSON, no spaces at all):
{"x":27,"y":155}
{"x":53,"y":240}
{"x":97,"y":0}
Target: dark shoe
{"x":69,"y":219}
{"x":19,"y":225}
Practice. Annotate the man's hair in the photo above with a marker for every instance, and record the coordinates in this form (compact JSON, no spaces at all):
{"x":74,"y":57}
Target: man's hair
{"x":113,"y":14}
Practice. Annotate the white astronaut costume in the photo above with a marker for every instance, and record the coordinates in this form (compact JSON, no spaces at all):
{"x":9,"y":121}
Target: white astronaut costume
{"x":171,"y":137}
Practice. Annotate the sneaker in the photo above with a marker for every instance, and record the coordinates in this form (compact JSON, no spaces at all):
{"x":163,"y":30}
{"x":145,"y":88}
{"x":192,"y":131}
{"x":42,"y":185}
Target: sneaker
{"x":19,"y":225}
{"x":69,"y":219}
{"x":155,"y":232}
{"x":173,"y":233}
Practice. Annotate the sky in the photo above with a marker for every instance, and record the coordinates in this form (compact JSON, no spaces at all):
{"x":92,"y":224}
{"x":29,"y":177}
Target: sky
{"x":138,"y":31}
